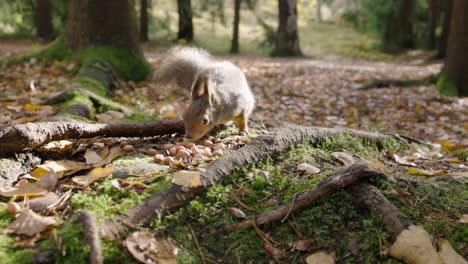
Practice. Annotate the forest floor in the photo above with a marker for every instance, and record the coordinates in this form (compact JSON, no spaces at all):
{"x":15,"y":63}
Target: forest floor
{"x":319,"y":91}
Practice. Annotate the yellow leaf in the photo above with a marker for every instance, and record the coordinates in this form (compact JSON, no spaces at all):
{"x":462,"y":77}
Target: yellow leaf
{"x":67,"y":167}
{"x":188,"y":179}
{"x":38,"y":188}
{"x":31,"y":107}
{"x":414,"y":171}
{"x":92,"y":176}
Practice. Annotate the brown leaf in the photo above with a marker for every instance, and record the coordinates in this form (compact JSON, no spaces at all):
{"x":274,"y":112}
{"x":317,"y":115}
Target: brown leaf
{"x":308,"y":169}
{"x":273,"y":251}
{"x":304,"y":244}
{"x":29,"y":223}
{"x":147,"y":249}
{"x":41,"y":187}
{"x":92,"y":176}
{"x":189,"y":179}
{"x":347,"y":158}
{"x":321,"y":257}
{"x":237,"y":212}
{"x":134,"y":186}
{"x":66,"y":167}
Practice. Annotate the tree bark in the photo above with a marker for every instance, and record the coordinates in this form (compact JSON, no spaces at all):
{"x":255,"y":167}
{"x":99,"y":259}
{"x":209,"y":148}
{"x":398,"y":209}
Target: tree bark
{"x":144,"y":8}
{"x":287,"y":39}
{"x":318,"y":11}
{"x":184,"y":8}
{"x":433,"y":18}
{"x":44,"y":26}
{"x":393,"y":219}
{"x":271,"y":144}
{"x":456,"y":63}
{"x":442,"y":49}
{"x":31,"y":135}
{"x":406,"y":14}
{"x":332,"y":183}
{"x":235,"y":27}
{"x":110,"y":23}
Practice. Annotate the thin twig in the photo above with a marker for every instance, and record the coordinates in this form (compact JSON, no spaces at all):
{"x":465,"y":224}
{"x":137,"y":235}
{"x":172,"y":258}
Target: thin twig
{"x":262,"y":234}
{"x":235,"y":198}
{"x":196,"y":243}
{"x":290,"y":208}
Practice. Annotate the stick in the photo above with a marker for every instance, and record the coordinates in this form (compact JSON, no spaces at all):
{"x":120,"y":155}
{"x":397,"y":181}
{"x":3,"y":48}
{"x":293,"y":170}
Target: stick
{"x":332,"y":183}
{"x":28,"y":136}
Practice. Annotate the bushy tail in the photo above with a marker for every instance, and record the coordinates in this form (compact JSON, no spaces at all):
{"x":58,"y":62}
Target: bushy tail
{"x":182,"y":65}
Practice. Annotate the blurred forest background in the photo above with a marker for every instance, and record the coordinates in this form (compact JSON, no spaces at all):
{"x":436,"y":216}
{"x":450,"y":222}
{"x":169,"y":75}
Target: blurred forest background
{"x":367,"y":29}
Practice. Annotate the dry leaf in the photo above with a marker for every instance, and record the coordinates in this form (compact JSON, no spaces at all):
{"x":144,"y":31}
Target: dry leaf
{"x":113,"y":153}
{"x":308,"y":169}
{"x":134,"y":186}
{"x":414,"y":171}
{"x":378,"y":166}
{"x":29,"y":223}
{"x":463,"y":219}
{"x":449,"y":255}
{"x":237,"y":212}
{"x":188,"y":179}
{"x":41,"y":187}
{"x":146,"y":249}
{"x":347,"y":158}
{"x":321,"y":257}
{"x":66,"y":167}
{"x":92,"y":176}
{"x":304,"y":244}
{"x":414,"y":245}
{"x":398,"y":159}
{"x":273,"y":251}
{"x":92,"y":157}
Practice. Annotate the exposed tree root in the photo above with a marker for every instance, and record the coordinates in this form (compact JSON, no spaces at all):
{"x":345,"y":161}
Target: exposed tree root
{"x":397,"y":83}
{"x":332,"y":183}
{"x":88,"y":221}
{"x":11,"y":169}
{"x":393,"y":219}
{"x":31,"y":135}
{"x":271,"y":144}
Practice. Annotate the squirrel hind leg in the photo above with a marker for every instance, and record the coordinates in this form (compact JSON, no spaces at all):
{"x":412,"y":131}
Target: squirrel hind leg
{"x":241,"y":123}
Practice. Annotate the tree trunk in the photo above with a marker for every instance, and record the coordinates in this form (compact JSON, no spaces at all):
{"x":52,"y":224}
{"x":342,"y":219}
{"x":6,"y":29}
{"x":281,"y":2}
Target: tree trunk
{"x":406,"y":14}
{"x":184,"y":8}
{"x":445,"y":30}
{"x":318,"y":11}
{"x":235,"y":31}
{"x":144,"y":7}
{"x":287,"y":40}
{"x":44,"y":27}
{"x":110,"y":23}
{"x":434,"y":6}
{"x":455,"y":72}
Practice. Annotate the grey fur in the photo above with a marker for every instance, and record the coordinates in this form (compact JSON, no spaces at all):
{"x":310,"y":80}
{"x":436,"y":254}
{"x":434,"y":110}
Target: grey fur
{"x":220,"y":92}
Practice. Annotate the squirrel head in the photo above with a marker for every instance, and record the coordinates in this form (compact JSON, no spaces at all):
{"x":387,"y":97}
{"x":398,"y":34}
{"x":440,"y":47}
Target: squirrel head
{"x":200,"y":116}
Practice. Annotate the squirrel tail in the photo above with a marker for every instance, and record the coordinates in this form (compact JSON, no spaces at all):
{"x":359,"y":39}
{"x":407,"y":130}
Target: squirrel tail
{"x":183,"y":65}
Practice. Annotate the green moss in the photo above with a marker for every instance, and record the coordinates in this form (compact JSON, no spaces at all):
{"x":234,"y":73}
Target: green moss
{"x":90,"y":84}
{"x":445,"y":87}
{"x":75,"y":249}
{"x":129,"y":64}
{"x":139,"y":116}
{"x":460,"y":154}
{"x":76,"y":97}
{"x":113,"y":252}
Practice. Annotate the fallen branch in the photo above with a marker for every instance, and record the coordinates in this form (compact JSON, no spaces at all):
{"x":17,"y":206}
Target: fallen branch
{"x":271,"y":144}
{"x":88,"y":222}
{"x":28,"y":136}
{"x":332,"y":183}
{"x":393,"y":219}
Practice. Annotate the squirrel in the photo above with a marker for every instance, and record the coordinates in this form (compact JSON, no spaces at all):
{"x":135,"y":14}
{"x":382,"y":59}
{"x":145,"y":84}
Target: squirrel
{"x":219,"y":90}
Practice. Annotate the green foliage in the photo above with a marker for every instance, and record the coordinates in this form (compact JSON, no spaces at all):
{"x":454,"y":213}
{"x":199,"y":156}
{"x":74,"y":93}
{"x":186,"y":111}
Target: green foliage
{"x":460,"y":154}
{"x":445,"y":87}
{"x":382,"y":19}
{"x":74,"y":249}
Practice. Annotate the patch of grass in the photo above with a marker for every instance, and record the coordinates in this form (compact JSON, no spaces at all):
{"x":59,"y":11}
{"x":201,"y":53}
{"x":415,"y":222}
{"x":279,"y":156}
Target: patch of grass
{"x":460,"y":154}
{"x":445,"y":87}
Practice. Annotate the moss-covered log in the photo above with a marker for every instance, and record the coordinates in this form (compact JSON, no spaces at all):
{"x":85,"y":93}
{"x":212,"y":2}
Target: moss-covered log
{"x":31,"y":135}
{"x":271,"y":144}
{"x":332,"y":183}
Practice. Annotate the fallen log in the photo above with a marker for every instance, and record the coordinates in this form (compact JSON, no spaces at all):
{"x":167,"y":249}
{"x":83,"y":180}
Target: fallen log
{"x":271,"y":144}
{"x":393,"y":219}
{"x":28,"y":136}
{"x":332,"y":183}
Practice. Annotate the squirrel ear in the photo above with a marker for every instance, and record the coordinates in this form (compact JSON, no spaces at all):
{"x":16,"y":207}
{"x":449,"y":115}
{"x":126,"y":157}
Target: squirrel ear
{"x":198,"y":89}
